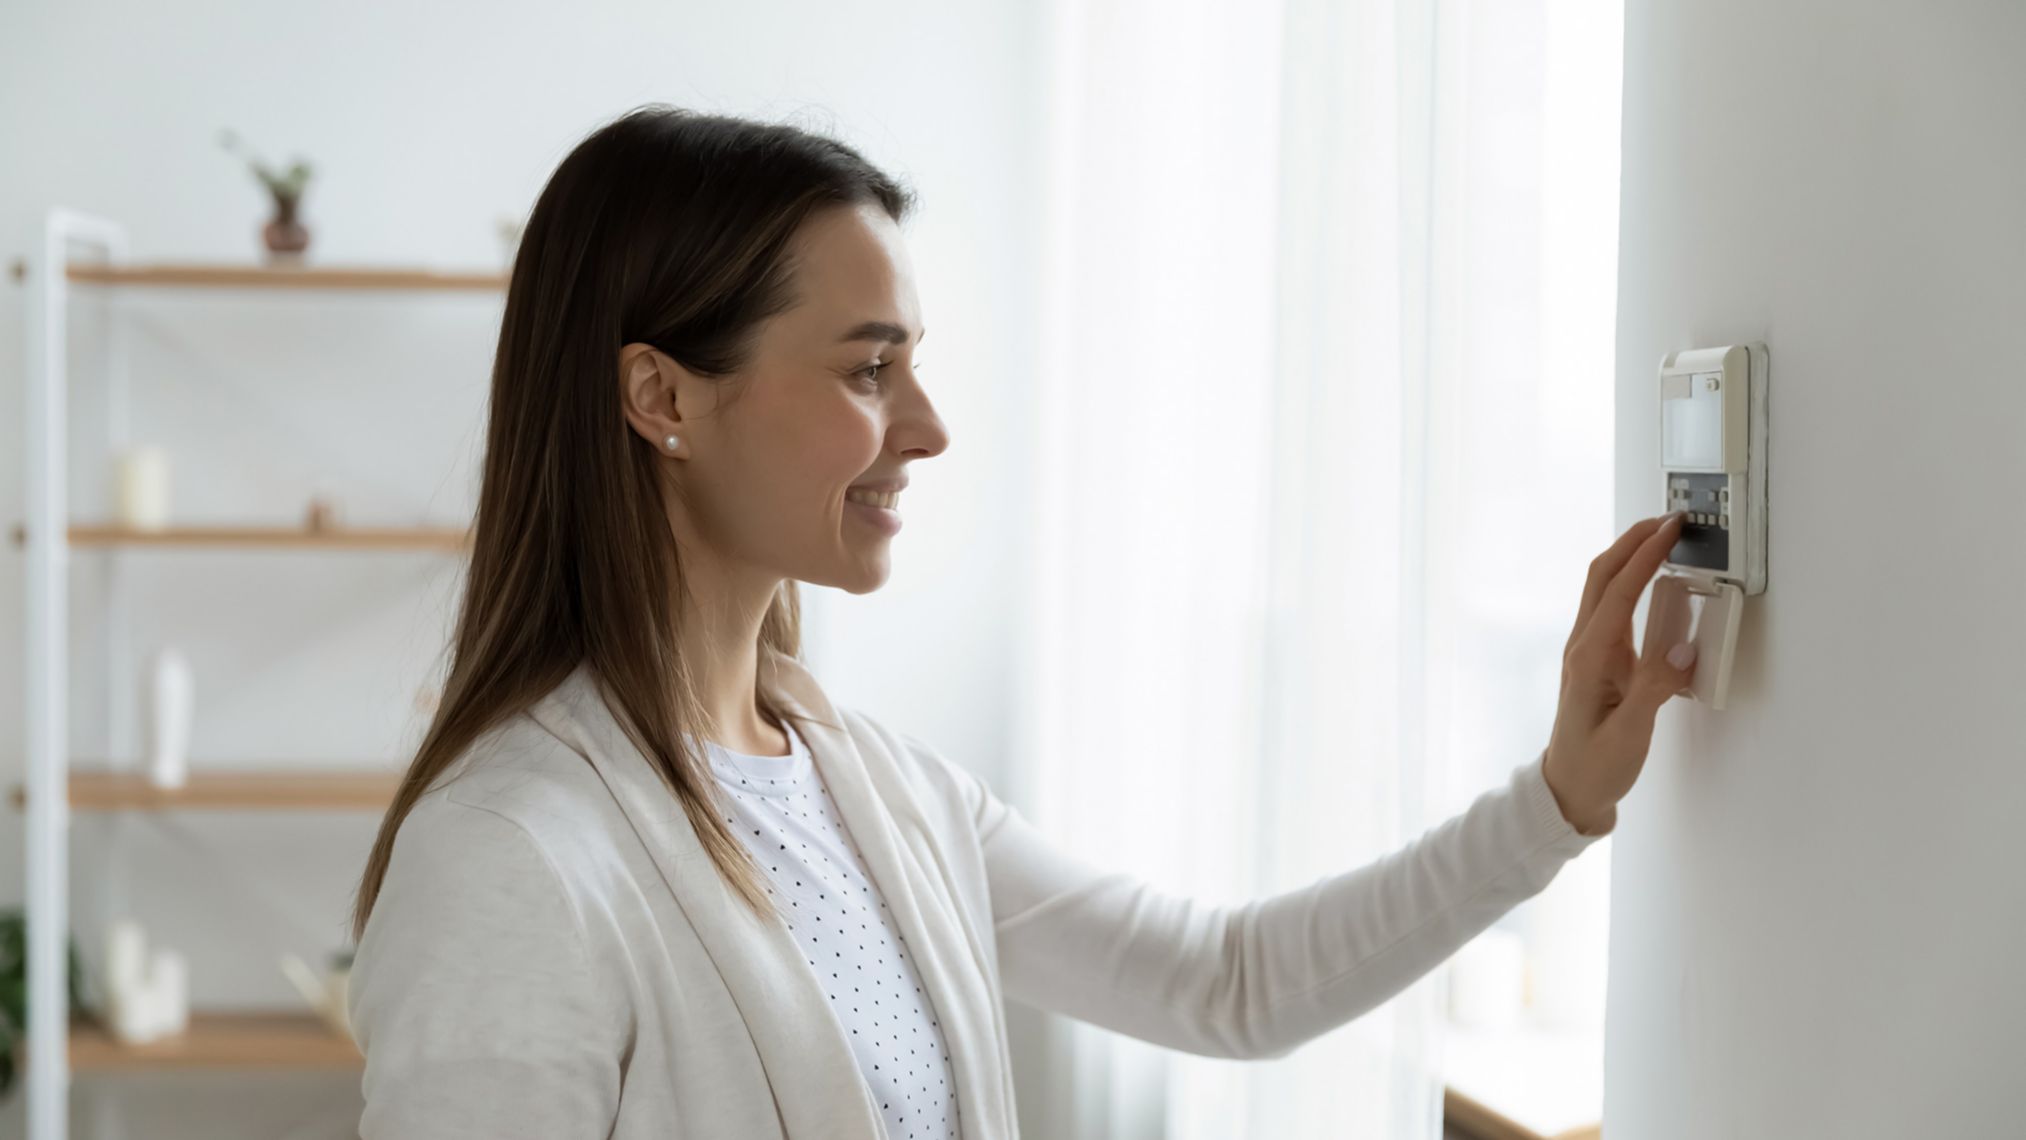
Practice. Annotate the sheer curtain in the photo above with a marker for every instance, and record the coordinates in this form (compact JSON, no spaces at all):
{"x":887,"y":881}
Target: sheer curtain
{"x":1323,"y":452}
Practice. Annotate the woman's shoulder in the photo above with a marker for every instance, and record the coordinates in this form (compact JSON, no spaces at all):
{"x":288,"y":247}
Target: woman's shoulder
{"x":923,"y":766}
{"x":517,"y":768}
{"x":483,"y":936}
{"x":517,"y":785}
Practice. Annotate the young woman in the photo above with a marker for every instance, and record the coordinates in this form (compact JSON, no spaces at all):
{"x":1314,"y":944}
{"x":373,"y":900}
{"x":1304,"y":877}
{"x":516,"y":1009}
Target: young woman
{"x":644,"y":880}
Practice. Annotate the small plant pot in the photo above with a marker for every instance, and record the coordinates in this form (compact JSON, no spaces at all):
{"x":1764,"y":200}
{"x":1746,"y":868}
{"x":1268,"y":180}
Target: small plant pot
{"x":286,"y":238}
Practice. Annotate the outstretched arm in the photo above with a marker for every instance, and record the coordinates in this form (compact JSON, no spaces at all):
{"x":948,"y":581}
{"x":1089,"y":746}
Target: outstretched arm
{"x":1257,"y":980}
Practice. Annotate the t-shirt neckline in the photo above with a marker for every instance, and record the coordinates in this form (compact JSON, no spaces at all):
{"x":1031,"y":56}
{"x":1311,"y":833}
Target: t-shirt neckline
{"x":767,"y":775}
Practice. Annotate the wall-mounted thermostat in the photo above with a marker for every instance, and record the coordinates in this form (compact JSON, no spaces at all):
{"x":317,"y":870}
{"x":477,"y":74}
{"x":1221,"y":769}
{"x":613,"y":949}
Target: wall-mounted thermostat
{"x":1713,"y":432}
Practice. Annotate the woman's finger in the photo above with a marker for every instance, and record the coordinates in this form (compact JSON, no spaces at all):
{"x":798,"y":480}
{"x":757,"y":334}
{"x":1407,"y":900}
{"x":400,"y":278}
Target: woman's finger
{"x":1605,"y":568}
{"x":1670,"y":619}
{"x":1611,"y":621}
{"x":1655,"y":681}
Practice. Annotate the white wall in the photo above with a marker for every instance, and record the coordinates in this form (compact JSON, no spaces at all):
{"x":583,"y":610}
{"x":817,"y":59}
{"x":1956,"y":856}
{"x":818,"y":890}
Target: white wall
{"x":427,"y":121}
{"x":1818,"y":911}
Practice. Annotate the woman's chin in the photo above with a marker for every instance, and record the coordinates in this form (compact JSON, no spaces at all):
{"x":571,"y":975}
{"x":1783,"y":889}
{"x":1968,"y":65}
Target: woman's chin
{"x":869,"y":581}
{"x":867,"y":573}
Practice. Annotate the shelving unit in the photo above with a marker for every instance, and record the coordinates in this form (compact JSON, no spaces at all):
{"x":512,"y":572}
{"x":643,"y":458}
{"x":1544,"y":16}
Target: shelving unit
{"x":281,"y":277}
{"x":1523,"y":1083}
{"x":335,"y":538}
{"x":281,"y":1040}
{"x":339,"y":789}
{"x":1479,"y":1121}
{"x":52,"y":791}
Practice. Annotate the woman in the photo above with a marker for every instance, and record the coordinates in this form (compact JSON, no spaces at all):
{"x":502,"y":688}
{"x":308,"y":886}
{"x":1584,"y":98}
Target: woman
{"x":643,"y":879}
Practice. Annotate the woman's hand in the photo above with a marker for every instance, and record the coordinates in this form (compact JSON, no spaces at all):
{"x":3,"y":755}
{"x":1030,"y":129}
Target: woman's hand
{"x":1610,"y":695}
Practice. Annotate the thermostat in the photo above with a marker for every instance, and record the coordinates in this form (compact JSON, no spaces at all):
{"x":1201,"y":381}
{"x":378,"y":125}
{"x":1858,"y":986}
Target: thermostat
{"x":1713,"y":434}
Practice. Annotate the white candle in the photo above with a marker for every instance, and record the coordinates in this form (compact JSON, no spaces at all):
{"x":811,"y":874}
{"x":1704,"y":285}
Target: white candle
{"x":171,"y":983}
{"x":126,"y":981}
{"x":170,"y":700}
{"x":144,"y":488}
{"x":126,"y":952}
{"x":133,"y":1015}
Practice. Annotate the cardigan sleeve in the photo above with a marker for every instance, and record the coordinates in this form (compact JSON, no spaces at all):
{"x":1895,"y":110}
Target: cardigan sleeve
{"x":1256,"y":980}
{"x":472,"y":993}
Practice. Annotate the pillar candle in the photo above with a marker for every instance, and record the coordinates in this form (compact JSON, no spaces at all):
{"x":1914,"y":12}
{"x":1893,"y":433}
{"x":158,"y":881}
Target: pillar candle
{"x":144,"y":488}
{"x":170,"y":699}
{"x":171,"y":983}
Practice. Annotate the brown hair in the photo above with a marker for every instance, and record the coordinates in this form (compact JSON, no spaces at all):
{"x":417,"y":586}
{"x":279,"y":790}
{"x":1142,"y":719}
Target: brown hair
{"x":668,"y":227}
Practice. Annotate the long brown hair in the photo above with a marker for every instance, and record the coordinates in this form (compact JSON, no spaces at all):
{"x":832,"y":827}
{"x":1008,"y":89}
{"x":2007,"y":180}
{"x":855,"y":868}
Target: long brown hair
{"x":667,"y":227}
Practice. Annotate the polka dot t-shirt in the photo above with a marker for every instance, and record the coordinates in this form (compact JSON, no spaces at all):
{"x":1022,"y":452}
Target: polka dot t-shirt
{"x":782,"y":810}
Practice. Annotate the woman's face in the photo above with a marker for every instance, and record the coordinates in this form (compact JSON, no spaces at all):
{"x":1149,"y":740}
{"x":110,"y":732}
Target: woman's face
{"x":765,"y":476}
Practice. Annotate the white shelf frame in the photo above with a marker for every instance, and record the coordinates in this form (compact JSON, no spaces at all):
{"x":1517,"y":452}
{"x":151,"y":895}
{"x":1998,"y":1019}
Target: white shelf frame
{"x":46,"y":719}
{"x":46,"y":551}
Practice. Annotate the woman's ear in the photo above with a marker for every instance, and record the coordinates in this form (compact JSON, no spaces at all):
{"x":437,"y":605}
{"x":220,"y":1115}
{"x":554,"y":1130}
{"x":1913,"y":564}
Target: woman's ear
{"x":647,"y":394}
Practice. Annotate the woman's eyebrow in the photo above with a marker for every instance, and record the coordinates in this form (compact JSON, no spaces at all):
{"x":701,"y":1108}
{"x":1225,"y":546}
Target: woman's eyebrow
{"x":879,"y":330}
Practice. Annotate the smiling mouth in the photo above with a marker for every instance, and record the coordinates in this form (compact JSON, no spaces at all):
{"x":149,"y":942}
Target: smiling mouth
{"x":885,"y":499}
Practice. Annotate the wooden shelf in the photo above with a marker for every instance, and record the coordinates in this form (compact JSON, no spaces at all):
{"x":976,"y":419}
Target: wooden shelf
{"x":284,"y":1039}
{"x":341,"y":537}
{"x":1521,"y":1082}
{"x":343,"y":789}
{"x":1482,"y":1122}
{"x":228,"y":276}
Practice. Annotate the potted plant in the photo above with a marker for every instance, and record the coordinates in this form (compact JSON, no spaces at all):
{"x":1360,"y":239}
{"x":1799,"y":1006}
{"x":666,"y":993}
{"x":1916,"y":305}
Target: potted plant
{"x":286,"y":237}
{"x":14,"y":991}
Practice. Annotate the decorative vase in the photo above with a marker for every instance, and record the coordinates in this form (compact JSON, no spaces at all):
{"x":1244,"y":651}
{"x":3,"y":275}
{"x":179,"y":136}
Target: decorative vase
{"x":327,"y":995}
{"x":286,"y":238}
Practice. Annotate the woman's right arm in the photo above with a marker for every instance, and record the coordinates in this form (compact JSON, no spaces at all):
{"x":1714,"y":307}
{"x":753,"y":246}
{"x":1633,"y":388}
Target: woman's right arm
{"x":1255,"y":980}
{"x":473,"y":993}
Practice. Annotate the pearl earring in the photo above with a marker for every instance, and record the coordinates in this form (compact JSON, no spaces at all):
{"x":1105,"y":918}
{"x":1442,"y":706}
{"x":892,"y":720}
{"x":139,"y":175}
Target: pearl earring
{"x":670,"y":443}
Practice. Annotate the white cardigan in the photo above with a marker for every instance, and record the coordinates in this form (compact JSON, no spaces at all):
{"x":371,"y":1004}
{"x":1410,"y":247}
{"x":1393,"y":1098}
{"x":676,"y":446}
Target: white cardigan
{"x":553,"y":955}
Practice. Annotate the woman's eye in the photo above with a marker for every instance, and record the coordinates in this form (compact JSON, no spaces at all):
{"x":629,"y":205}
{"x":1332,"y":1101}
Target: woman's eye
{"x":870,"y":372}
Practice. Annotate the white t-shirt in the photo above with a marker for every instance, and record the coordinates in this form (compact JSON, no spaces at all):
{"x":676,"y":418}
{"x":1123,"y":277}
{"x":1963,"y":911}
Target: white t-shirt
{"x":782,"y":810}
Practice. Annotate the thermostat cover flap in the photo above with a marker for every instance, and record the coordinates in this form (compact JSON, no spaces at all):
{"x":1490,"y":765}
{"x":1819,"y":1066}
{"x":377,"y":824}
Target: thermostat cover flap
{"x":1704,"y":610}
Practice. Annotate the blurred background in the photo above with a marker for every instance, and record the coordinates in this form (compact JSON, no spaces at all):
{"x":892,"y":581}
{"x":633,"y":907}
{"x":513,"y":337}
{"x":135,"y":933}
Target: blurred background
{"x":1274,"y":342}
{"x":1292,"y":383}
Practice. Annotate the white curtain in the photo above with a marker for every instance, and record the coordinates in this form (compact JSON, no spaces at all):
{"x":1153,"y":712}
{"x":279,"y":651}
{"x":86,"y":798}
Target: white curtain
{"x":1323,"y":451}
